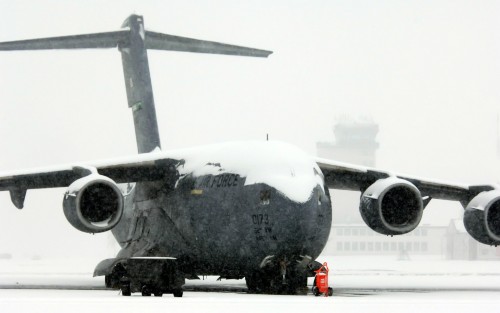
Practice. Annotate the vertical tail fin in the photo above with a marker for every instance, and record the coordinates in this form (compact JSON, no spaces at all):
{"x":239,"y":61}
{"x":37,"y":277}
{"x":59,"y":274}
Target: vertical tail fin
{"x":138,"y":85}
{"x":133,"y":42}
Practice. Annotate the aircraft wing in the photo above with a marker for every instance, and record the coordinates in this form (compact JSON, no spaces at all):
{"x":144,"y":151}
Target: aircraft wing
{"x":143,"y":167}
{"x":345,"y":176}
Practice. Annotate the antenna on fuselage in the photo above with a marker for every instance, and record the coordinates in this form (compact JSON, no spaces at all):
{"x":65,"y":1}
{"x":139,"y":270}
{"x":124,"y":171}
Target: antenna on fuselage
{"x":133,"y":42}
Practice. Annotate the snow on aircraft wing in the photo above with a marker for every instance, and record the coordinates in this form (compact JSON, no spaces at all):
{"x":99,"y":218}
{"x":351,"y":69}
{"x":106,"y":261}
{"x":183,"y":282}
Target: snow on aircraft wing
{"x":346,"y":176}
{"x":144,"y":167}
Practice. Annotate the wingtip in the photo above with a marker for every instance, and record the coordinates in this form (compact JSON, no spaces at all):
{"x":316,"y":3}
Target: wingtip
{"x":268,"y":53}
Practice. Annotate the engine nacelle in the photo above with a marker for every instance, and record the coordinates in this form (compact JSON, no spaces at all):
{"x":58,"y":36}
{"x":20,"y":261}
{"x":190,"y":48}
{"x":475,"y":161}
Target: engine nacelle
{"x":391,"y":206}
{"x":482,"y":217}
{"x":93,"y":204}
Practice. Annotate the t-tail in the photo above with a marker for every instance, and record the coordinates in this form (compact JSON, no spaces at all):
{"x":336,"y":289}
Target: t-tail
{"x":133,"y":41}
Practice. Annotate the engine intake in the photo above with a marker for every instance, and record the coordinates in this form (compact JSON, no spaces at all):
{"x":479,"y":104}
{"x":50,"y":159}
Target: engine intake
{"x":482,"y":217}
{"x":391,"y":206}
{"x":93,"y":204}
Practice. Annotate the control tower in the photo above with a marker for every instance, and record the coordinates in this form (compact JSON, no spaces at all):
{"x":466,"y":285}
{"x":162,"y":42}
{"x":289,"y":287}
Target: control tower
{"x":355,"y":143}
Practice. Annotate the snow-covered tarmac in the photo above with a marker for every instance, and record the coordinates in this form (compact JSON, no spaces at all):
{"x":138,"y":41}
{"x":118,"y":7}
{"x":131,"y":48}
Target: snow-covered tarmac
{"x":361,"y":284}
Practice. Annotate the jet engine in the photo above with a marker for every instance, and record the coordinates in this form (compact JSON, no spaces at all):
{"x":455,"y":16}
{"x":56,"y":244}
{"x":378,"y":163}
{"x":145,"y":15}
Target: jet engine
{"x":391,"y":206}
{"x":93,"y":204}
{"x":482,"y":217}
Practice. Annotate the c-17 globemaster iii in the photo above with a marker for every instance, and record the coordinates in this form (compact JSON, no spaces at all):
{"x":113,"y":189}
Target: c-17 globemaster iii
{"x":254,"y":210}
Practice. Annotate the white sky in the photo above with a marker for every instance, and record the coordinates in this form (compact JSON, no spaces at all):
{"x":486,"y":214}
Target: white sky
{"x":426,"y":71}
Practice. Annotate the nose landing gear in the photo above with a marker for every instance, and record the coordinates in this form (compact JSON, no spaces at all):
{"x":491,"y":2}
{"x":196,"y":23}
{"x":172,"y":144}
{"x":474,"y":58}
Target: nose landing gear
{"x":278,"y":276}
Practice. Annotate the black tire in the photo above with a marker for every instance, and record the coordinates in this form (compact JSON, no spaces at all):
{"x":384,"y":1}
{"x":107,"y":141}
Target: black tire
{"x":146,"y":291}
{"x":296,"y":284}
{"x":258,"y":283}
{"x":251,"y":284}
{"x":107,"y":281}
{"x":125,"y":288}
{"x":178,"y":293}
{"x":330,"y":291}
{"x":315,"y":291}
{"x":112,"y":281}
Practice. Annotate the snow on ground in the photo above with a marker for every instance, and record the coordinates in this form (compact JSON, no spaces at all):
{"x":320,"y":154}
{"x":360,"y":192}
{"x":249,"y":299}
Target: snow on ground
{"x":109,"y":301}
{"x":361,"y":283}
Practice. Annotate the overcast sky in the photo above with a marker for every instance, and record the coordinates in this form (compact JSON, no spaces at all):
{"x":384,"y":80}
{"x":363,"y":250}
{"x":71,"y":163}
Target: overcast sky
{"x":428,"y":72}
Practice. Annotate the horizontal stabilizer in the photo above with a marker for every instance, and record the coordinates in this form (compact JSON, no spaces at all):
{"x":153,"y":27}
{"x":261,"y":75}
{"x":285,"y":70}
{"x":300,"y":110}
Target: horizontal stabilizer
{"x":133,"y":41}
{"x":88,"y":41}
{"x":160,"y":41}
{"x":121,"y":39}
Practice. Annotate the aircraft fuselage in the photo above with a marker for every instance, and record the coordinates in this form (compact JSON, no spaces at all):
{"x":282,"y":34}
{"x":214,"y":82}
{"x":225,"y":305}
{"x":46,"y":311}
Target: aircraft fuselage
{"x":228,"y":219}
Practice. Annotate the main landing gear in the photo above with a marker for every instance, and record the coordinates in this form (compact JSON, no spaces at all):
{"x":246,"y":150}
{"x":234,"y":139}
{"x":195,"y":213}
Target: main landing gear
{"x":145,"y":275}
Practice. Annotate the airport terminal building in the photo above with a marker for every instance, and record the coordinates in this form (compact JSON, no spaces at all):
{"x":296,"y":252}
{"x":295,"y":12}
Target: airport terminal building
{"x":352,"y":239}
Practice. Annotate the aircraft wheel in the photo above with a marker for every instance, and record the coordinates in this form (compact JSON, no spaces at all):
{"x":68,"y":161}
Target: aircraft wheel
{"x":158,"y":294}
{"x":107,"y":281}
{"x":112,"y":281}
{"x":146,"y":291}
{"x":251,"y":284}
{"x":258,"y":283}
{"x":178,"y":293}
{"x":125,"y":288}
{"x":297,"y":284}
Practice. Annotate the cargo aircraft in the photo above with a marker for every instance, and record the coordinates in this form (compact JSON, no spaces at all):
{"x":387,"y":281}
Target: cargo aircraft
{"x":254,"y":210}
